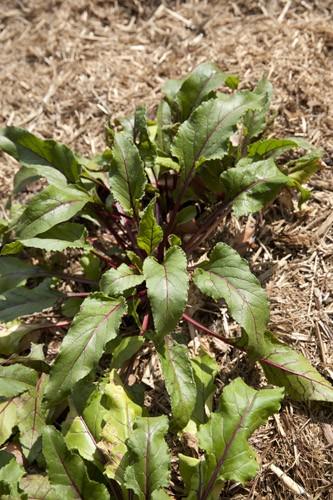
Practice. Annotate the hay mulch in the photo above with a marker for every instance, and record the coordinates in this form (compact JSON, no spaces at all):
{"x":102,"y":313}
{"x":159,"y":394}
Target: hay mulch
{"x":68,"y":66}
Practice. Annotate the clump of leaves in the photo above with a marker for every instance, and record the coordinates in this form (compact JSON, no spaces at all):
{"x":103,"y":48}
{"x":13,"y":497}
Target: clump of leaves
{"x":112,"y":246}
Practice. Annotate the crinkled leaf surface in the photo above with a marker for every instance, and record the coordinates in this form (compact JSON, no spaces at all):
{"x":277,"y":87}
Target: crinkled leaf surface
{"x":58,"y":238}
{"x":303,"y":168}
{"x":39,"y":155}
{"x":67,"y":472}
{"x":285,"y":367}
{"x":203,"y":136}
{"x":93,"y":327}
{"x":150,"y":232}
{"x":197,"y":86}
{"x":145,"y":145}
{"x":149,"y":456}
{"x":116,"y":281}
{"x":179,"y":379}
{"x":167,"y":285}
{"x":15,"y":379}
{"x":127,"y":176}
{"x":224,"y":438}
{"x":37,"y":487}
{"x":249,"y":188}
{"x":122,"y":412}
{"x":255,"y":120}
{"x":14,"y":272}
{"x":22,"y":301}
{"x":226,"y":275}
{"x":49,"y":208}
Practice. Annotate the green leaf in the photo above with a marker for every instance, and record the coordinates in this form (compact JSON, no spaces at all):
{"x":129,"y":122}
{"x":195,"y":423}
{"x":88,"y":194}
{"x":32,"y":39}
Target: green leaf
{"x":285,"y":367}
{"x":31,"y":418}
{"x":303,"y":168}
{"x":118,"y":427}
{"x":15,"y":379}
{"x":124,"y":349}
{"x":116,"y":281}
{"x":11,"y":335}
{"x":39,"y":154}
{"x":224,"y":438}
{"x":149,"y":457}
{"x":190,"y":472}
{"x":84,"y":426}
{"x":179,"y":380}
{"x":255,"y":120}
{"x":49,"y":208}
{"x":249,"y":188}
{"x":142,"y":138}
{"x":273,"y":147}
{"x":226,"y":275}
{"x":26,"y":175}
{"x":37,"y":487}
{"x":197,"y":86}
{"x":204,"y":135}
{"x":127,"y":176}
{"x":8,"y":418}
{"x":67,"y":472}
{"x":167,"y":285}
{"x":150,"y":233}
{"x":94,"y":326}
{"x":24,"y":301}
{"x":14,"y":272}
{"x":205,"y":370}
{"x":164,"y":128}
{"x":10,"y":474}
{"x":60,"y":237}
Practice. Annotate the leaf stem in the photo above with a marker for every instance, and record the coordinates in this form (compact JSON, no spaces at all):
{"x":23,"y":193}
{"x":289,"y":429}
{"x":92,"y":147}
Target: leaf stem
{"x":145,"y":324}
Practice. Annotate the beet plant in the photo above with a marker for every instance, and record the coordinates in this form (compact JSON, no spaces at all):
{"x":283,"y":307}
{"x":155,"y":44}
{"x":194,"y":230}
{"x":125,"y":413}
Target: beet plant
{"x":97,"y":274}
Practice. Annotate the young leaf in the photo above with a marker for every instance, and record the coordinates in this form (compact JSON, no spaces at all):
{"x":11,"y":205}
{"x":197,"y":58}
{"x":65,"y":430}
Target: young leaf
{"x":224,"y":438}
{"x":204,"y":135}
{"x":164,"y":128}
{"x":226,"y":275}
{"x":15,"y":379}
{"x":31,"y":418}
{"x":58,"y":238}
{"x":14,"y":272}
{"x":8,"y":417}
{"x":67,"y":472}
{"x":272,"y":147}
{"x":285,"y":367}
{"x":84,"y":425}
{"x":146,"y":147}
{"x":116,"y":281}
{"x":122,"y":412}
{"x":255,"y":121}
{"x":93,"y":327}
{"x":167,"y":285}
{"x":33,"y":152}
{"x":23,"y":301}
{"x":150,"y":233}
{"x":124,"y":349}
{"x":249,"y":188}
{"x":149,"y":457}
{"x":50,"y":207}
{"x":197,"y":86}
{"x":179,"y":380}
{"x":205,"y":369}
{"x":303,"y":168}
{"x":127,"y":176}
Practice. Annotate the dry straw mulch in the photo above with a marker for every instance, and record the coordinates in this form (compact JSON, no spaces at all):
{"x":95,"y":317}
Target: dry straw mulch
{"x":67,"y":66}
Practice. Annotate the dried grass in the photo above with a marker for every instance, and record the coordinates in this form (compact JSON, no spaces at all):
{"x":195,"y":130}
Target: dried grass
{"x":68,"y":66}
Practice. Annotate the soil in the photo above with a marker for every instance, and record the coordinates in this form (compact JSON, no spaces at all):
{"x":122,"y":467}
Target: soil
{"x":69,"y":66}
